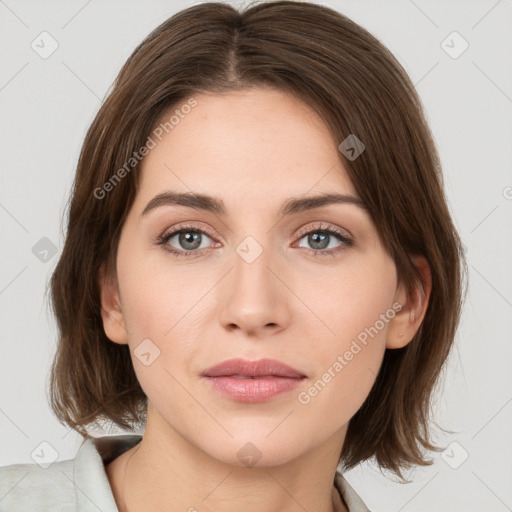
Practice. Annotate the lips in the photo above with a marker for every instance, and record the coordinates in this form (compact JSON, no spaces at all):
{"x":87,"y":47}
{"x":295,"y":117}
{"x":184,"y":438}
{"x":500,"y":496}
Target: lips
{"x":242,"y":368}
{"x":252,"y":381}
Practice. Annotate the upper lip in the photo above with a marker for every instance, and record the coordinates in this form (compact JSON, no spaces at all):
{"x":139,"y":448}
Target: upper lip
{"x":245,"y":368}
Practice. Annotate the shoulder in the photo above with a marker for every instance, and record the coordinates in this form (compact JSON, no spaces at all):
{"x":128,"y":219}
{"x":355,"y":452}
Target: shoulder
{"x":30,"y":487}
{"x":79,"y":484}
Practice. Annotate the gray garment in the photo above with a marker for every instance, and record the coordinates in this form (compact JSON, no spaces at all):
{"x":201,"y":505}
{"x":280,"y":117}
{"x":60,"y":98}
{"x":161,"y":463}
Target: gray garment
{"x":81,"y":484}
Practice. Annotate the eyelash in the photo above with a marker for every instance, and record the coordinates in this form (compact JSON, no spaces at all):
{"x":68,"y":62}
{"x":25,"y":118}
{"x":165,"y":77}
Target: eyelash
{"x":162,"y":240}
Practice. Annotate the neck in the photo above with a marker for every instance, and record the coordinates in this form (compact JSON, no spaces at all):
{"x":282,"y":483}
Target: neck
{"x":167,"y":472}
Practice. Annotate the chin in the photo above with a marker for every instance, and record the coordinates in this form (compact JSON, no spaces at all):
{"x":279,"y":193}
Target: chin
{"x":256,"y":453}
{"x":254,"y":446}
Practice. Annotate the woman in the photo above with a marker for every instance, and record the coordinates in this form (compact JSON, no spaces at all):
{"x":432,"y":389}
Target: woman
{"x":260,"y":268}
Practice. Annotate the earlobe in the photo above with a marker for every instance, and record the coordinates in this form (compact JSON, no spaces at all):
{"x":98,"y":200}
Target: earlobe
{"x":407,"y":321}
{"x":111,"y":311}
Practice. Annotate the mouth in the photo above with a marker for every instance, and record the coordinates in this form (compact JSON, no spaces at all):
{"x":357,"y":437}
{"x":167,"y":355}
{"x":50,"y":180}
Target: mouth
{"x":252,"y":381}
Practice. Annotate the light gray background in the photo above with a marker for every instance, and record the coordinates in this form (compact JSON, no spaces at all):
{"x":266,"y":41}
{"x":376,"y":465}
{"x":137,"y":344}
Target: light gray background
{"x":47,"y":105}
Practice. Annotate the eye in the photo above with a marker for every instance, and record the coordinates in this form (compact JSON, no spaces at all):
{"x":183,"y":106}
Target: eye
{"x":184,"y":241}
{"x":320,"y":240}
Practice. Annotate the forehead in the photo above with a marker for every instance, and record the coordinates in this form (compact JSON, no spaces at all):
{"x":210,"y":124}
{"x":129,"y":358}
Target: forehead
{"x":259,"y":142}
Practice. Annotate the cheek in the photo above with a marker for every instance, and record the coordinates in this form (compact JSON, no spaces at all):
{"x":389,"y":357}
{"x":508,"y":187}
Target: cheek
{"x":357,"y":314}
{"x":156,"y":292}
{"x":162,"y":313}
{"x":349,"y":299}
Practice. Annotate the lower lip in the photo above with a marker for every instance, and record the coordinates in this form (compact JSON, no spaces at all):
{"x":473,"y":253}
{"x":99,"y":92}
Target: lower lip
{"x":253,"y":390}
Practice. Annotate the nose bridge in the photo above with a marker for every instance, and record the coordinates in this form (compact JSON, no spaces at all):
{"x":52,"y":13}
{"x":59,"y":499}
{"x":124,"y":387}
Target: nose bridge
{"x":252,"y":260}
{"x":254,"y":297}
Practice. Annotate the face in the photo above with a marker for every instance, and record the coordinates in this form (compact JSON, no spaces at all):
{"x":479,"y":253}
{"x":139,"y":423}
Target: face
{"x":311,"y":288}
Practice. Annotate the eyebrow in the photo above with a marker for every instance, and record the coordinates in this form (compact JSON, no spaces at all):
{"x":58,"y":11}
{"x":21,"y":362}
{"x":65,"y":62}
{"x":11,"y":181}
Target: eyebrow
{"x":207,"y":203}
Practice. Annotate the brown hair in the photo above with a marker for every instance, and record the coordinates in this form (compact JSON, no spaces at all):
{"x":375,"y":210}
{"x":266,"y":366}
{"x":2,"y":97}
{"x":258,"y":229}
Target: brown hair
{"x":357,"y":87}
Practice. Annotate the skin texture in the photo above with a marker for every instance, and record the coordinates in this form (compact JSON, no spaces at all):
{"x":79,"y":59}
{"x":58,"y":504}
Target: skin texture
{"x":253,"y":149}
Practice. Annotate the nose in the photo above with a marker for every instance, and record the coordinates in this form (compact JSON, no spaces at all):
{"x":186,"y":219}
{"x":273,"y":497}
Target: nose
{"x":253,"y":297}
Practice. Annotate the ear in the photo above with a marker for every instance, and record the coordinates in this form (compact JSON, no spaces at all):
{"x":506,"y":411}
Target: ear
{"x":111,"y":312}
{"x":407,"y":321}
